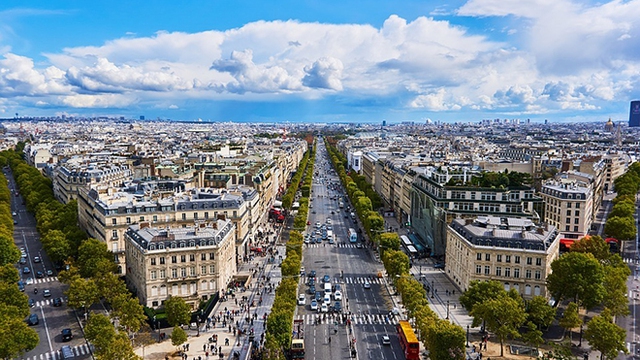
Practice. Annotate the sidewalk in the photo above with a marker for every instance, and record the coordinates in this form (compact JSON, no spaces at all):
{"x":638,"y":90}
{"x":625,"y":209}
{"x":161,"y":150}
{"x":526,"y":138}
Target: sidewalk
{"x":246,"y":310}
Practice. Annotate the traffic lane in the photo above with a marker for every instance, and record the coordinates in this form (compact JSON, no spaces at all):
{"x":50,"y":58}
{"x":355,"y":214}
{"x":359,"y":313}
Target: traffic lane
{"x":369,"y":342}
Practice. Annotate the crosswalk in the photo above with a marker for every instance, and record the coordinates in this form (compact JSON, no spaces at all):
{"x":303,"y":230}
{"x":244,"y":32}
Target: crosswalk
{"x":46,"y":302}
{"x":326,"y":243}
{"x":45,"y":280}
{"x":631,"y":261}
{"x":79,"y":351}
{"x":362,"y":280}
{"x":361,"y":319}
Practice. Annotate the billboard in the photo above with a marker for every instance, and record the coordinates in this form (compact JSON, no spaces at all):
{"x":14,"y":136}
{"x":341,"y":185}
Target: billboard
{"x":634,"y":114}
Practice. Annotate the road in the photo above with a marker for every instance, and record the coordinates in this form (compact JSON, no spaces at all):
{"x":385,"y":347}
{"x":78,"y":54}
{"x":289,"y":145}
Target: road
{"x":350,"y":266}
{"x":51,"y":319}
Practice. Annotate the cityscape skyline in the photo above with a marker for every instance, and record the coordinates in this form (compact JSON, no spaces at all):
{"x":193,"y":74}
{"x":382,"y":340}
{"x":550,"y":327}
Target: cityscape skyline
{"x":463,"y":61}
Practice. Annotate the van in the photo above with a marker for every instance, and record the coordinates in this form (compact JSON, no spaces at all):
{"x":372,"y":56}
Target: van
{"x":327,"y":288}
{"x":67,"y":352}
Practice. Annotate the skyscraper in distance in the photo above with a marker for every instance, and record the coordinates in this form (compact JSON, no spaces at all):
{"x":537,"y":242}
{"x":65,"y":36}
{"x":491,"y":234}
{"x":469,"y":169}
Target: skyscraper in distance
{"x":634,"y":114}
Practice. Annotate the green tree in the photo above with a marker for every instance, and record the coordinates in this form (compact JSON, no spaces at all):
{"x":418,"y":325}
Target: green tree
{"x":479,"y":292}
{"x":623,"y":209}
{"x":9,"y":274}
{"x":594,"y":245}
{"x":178,"y":336}
{"x":129,"y":312}
{"x":503,"y":316}
{"x":82,"y":293}
{"x":94,"y":257}
{"x":445,"y":341}
{"x":16,"y":337}
{"x":605,"y":336}
{"x":622,"y":228}
{"x":57,"y":246}
{"x":396,"y":262}
{"x":100,"y":332}
{"x":578,"y":277}
{"x":389,"y":241}
{"x":570,"y":318}
{"x":615,"y":289}
{"x":9,"y":253}
{"x":68,"y":276}
{"x":178,"y":311}
{"x":533,"y":336}
{"x":540,"y":312}
{"x":111,"y":286}
{"x":13,"y":301}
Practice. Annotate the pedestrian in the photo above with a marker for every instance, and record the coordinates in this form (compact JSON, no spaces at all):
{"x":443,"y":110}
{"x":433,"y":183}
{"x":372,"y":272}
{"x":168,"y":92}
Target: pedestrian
{"x":187,"y":346}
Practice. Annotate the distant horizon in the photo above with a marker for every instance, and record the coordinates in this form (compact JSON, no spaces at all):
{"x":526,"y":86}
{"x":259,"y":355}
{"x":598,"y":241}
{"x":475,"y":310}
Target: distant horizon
{"x":251,"y":61}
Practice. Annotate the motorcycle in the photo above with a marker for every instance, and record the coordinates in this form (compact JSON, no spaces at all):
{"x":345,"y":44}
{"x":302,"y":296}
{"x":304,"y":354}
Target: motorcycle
{"x":35,"y":291}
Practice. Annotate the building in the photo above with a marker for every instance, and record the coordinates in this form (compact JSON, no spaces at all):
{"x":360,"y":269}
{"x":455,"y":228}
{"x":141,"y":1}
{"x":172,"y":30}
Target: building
{"x":513,"y":251}
{"x":634,"y":114}
{"x":568,"y":205}
{"x":68,"y":179}
{"x":193,"y":263}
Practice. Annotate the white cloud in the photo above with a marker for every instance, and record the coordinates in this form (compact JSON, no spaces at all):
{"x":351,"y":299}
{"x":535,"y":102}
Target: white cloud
{"x":173,"y":106}
{"x":98,"y":101}
{"x":325,"y":73}
{"x":18,"y":77}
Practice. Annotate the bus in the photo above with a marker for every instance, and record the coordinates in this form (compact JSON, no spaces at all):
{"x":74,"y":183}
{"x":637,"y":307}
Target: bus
{"x":353,"y":235}
{"x":297,"y":349}
{"x":408,"y":341}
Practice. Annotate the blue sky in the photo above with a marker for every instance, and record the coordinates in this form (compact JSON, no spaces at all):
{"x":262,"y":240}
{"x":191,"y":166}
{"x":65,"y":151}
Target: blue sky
{"x":321,"y":61}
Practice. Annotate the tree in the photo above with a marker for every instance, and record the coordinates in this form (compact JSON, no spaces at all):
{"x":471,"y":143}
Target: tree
{"x":178,"y":311}
{"x":480,"y":291}
{"x":94,"y":257}
{"x":68,"y":276}
{"x":533,"y":336}
{"x":594,"y":245}
{"x":396,"y":262}
{"x":129,"y":312}
{"x":9,"y":253}
{"x":57,"y":246}
{"x":570,"y":318}
{"x":578,"y":277}
{"x":503,"y":316}
{"x":445,"y":341}
{"x":622,"y":228}
{"x":108,"y":343}
{"x":178,"y":336}
{"x":605,"y":336}
{"x":9,"y":274}
{"x":623,"y":209}
{"x":110,"y":286}
{"x":82,"y":293}
{"x":540,"y":312}
{"x":615,"y":286}
{"x":16,"y":337}
{"x":13,"y":301}
{"x":389,"y":241}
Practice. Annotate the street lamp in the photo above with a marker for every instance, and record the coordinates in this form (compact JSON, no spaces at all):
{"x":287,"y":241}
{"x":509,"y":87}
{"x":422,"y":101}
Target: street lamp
{"x":447,"y":310}
{"x":580,"y":344}
{"x":433,"y":289}
{"x":467,"y":335}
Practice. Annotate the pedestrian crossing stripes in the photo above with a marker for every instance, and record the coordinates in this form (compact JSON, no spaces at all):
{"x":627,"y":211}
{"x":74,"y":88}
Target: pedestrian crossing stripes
{"x":631,"y":261}
{"x":45,"y":280}
{"x":78,"y":351}
{"x":362,"y":319}
{"x":46,"y":302}
{"x":362,"y":280}
{"x":326,"y":243}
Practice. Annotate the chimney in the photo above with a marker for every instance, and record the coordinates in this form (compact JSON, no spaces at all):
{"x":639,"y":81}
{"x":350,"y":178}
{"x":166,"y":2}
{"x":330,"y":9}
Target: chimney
{"x":493,"y":232}
{"x":144,"y":225}
{"x":468,"y":221}
{"x":523,"y":233}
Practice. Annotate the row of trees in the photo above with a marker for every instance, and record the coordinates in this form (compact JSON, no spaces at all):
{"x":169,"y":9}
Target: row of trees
{"x":90,"y":269}
{"x":280,"y":320}
{"x":290,"y":194}
{"x":620,"y":223}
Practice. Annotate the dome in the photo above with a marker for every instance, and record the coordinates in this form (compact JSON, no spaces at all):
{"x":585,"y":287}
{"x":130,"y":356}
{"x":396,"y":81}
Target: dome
{"x":609,"y":126}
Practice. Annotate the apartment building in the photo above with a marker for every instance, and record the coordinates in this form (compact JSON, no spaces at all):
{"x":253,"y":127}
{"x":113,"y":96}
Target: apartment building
{"x":615,"y":165}
{"x":166,"y":203}
{"x":568,"y":205}
{"x":73,"y":176}
{"x":194,"y":262}
{"x":513,"y":251}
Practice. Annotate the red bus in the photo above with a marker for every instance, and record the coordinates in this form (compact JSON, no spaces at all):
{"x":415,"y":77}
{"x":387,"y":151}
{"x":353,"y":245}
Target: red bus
{"x":408,"y":341}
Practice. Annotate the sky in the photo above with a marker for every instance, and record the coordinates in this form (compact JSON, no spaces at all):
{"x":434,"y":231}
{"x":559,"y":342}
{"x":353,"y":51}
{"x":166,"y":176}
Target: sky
{"x":321,"y":61}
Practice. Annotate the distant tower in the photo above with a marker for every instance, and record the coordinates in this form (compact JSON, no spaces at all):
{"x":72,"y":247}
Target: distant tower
{"x":634,"y":114}
{"x":619,"y":135}
{"x":284,"y":133}
{"x":384,"y":122}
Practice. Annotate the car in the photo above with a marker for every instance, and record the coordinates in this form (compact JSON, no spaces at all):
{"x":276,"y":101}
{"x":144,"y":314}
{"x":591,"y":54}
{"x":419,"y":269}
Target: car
{"x":29,"y":281}
{"x":26,"y":270}
{"x":319,"y":295}
{"x":326,"y":299}
{"x":57,"y":302}
{"x":367,"y":285}
{"x":36,"y":259}
{"x":386,"y":340}
{"x":313,"y":212}
{"x":301,"y":299}
{"x":314,"y":305}
{"x":49,"y":272}
{"x":359,"y":245}
{"x":310,"y":206}
{"x":311,"y":282}
{"x":312,"y":273}
{"x":326,"y":278}
{"x":308,"y":222}
{"x":23,"y":260}
{"x":337,"y":295}
{"x":33,"y":319}
{"x":306,"y":240}
{"x":337,"y":307}
{"x":67,"y":353}
{"x":21,"y":286}
{"x":438,"y":266}
{"x":15,"y":222}
{"x":328,"y":221}
{"x":14,"y":213}
{"x":67,"y":335}
{"x":312,"y":290}
{"x":46,"y":293}
{"x":32,"y":303}
{"x":324,"y":308}
{"x":331,"y":241}
{"x":394,"y":311}
{"x":39,"y":274}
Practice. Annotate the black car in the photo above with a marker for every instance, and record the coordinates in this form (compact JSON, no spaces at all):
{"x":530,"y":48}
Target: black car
{"x":39,"y":274}
{"x":312,"y":273}
{"x":337,"y":307}
{"x":57,"y":302}
{"x":33,"y":319}
{"x":67,"y":335}
{"x":32,"y":303}
{"x":312,"y":290}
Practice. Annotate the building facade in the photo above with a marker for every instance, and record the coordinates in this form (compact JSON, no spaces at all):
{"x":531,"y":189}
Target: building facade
{"x":513,"y":251}
{"x":194,"y":263}
{"x":568,"y":205}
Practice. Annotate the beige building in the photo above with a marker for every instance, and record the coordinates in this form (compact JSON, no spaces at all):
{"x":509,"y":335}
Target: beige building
{"x":69,"y":179}
{"x":616,"y":165}
{"x":568,"y":205}
{"x":194,"y":263}
{"x":513,"y":251}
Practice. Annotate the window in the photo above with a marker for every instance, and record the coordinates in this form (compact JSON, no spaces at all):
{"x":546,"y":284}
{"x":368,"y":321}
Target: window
{"x":153,"y":261}
{"x":576,"y":221}
{"x":128,"y":220}
{"x":183,"y":272}
{"x":163,"y":290}
{"x":206,"y":214}
{"x":529,"y":261}
{"x":507,"y":258}
{"x":183,"y":258}
{"x":527,"y":274}
{"x":487,"y":257}
{"x":567,"y":227}
{"x":203,"y":270}
{"x":212,"y":269}
{"x":479,"y":256}
{"x":577,"y":205}
{"x":114,"y":234}
{"x":174,"y":273}
{"x":154,"y":274}
{"x":517,"y":259}
{"x":538,"y":276}
{"x":499,"y":258}
{"x":568,"y":212}
{"x":163,"y":274}
{"x":527,"y":289}
{"x":478,"y":269}
{"x":114,"y":221}
{"x":212,"y":256}
{"x":575,"y":228}
{"x":538,"y":261}
{"x":141,"y":218}
{"x":154,"y":291}
{"x":507,"y":272}
{"x":498,"y":271}
{"x":195,"y":216}
{"x":577,"y":213}
{"x":203,"y":256}
{"x":184,"y":216}
{"x":487,"y":270}
{"x":162,"y":260}
{"x":174,"y":259}
{"x":192,"y":271}
{"x":192,"y":257}
{"x":568,"y":205}
{"x":155,"y":218}
{"x":536,"y":290}
{"x":516,"y":273}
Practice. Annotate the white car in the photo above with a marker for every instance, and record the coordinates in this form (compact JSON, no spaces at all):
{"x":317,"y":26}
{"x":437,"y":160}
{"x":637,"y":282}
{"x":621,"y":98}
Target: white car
{"x":386,"y":340}
{"x":328,"y":221}
{"x":367,"y":285}
{"x":337,"y":295}
{"x":29,"y":281}
{"x":314,"y":305}
{"x":324,"y":308}
{"x":327,"y":299}
{"x":301,"y":299}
